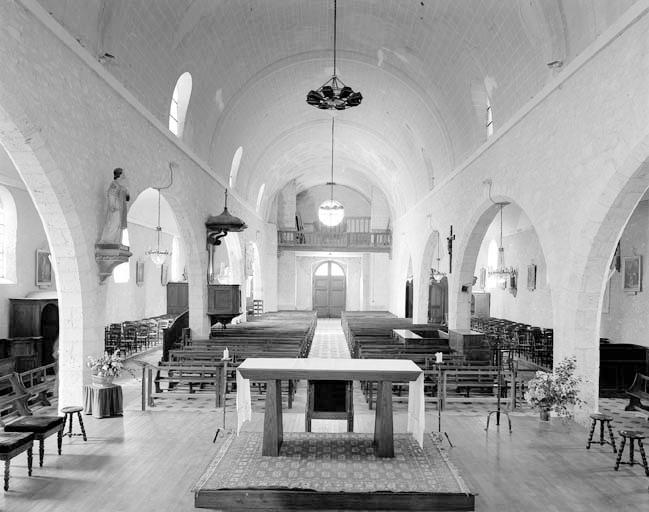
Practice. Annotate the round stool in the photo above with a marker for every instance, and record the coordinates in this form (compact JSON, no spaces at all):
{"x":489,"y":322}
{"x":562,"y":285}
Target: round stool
{"x":602,"y":418}
{"x":632,"y":435}
{"x":69,"y":413}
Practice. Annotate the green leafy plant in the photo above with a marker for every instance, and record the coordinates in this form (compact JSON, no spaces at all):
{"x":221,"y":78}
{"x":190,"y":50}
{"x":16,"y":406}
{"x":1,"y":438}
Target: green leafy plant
{"x":557,"y":391}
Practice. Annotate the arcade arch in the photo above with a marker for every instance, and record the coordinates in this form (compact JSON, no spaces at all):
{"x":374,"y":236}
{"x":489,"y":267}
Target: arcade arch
{"x":45,"y":181}
{"x":522,"y":248}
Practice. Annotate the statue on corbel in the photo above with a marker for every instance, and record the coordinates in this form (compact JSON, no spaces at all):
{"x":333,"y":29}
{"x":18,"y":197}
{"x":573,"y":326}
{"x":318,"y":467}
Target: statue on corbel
{"x":109,"y":251}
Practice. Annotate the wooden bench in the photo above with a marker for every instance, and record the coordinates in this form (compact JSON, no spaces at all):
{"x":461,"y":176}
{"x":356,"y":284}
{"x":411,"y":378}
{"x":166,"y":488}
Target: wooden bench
{"x":13,"y":443}
{"x":40,"y":426}
{"x":187,"y":379}
{"x":40,"y":382}
{"x":467,"y":378}
{"x":638,"y":391}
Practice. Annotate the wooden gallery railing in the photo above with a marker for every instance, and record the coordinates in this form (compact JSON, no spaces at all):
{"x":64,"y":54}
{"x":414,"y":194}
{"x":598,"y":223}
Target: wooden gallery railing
{"x":353,"y":234}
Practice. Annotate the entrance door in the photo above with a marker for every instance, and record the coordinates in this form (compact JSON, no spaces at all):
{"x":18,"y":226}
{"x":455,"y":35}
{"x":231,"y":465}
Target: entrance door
{"x":408,"y":313}
{"x":329,"y":290}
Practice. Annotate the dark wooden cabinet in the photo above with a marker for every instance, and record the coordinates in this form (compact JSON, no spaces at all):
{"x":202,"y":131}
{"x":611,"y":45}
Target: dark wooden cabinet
{"x":177,"y":298}
{"x":33,"y":329}
{"x":223,"y":302}
{"x":618,"y":364}
{"x":470,"y":343}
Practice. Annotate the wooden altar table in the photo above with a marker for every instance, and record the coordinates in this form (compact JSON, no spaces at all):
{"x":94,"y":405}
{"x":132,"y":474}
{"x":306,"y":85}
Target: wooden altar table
{"x":383,"y":371}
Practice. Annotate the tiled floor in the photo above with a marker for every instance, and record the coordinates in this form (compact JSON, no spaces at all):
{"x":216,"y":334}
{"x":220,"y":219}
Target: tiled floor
{"x":329,"y":340}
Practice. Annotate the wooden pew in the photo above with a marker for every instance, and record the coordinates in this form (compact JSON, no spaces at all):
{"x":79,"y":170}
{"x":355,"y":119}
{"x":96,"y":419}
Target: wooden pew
{"x":41,"y":382}
{"x":638,"y":391}
{"x":14,"y":443}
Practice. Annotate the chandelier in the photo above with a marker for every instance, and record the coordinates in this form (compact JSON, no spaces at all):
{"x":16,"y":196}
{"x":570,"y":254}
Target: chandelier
{"x":437,"y":275}
{"x":331,"y":212}
{"x":334,"y":94}
{"x":502,"y":272}
{"x":157,"y":255}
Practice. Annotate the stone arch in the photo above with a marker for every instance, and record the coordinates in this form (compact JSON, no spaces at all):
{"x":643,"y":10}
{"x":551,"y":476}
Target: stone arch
{"x":609,"y":216}
{"x":430,"y":255}
{"x":70,"y":251}
{"x":467,"y":254}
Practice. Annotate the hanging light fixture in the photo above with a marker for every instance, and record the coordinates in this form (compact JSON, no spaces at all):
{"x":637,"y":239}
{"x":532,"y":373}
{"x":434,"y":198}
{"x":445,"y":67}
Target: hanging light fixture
{"x":502,"y":272}
{"x":157,"y":255}
{"x":334,"y":94}
{"x":331,"y":212}
{"x":437,"y":275}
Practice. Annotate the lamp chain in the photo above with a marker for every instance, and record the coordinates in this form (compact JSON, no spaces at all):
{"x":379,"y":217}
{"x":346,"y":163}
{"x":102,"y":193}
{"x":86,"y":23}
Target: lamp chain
{"x":501,"y":225}
{"x":333,"y":120}
{"x":335,"y":17}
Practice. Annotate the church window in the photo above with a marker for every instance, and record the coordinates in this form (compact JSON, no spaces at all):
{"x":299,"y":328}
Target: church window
{"x":489,"y":119}
{"x":234,"y":168}
{"x":260,"y":195}
{"x":179,"y":104}
{"x":8,"y":237}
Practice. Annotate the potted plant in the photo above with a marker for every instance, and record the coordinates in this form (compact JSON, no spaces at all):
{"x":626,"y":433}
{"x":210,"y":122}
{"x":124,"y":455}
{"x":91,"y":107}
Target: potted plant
{"x":557,"y":391}
{"x":105,"y":368}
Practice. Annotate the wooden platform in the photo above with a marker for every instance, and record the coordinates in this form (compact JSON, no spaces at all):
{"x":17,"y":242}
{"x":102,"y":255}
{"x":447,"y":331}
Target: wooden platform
{"x":331,"y":472}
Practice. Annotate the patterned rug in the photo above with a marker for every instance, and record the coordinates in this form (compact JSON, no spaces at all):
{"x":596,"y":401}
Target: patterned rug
{"x":331,"y":463}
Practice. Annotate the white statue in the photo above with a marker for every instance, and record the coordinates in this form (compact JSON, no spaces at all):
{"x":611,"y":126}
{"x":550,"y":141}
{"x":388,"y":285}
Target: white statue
{"x":117,"y":196}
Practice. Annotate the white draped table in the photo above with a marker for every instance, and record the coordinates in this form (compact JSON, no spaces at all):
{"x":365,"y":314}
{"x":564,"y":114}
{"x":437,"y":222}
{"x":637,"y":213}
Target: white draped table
{"x":383,"y":371}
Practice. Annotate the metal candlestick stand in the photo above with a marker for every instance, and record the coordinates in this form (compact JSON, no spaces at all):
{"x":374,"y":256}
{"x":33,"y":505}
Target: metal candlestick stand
{"x":439,"y":404}
{"x":225,"y":389}
{"x":499,"y":362}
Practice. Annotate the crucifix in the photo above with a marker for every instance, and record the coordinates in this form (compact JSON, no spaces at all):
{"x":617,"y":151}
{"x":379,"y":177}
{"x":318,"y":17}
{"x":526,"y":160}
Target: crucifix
{"x":450,"y":239}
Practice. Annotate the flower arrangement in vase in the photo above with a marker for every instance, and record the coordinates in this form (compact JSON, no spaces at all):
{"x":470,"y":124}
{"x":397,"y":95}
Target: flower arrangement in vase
{"x":105,"y":368}
{"x":557,"y":391}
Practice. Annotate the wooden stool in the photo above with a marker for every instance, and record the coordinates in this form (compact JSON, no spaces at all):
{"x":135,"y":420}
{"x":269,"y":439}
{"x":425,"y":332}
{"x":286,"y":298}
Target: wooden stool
{"x":69,"y":413}
{"x":633,"y":435}
{"x":602,"y":418}
{"x":11,"y":444}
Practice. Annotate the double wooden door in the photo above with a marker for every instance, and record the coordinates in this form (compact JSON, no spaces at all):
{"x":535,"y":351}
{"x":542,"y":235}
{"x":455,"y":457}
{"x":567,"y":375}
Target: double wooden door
{"x":329,"y":290}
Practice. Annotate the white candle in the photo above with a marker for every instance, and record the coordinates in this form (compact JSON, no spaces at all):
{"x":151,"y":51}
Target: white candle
{"x":226,"y":353}
{"x":438,"y":357}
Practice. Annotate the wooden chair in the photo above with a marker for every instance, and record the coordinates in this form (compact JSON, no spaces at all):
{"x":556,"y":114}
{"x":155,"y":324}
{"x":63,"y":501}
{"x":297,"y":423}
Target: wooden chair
{"x":330,"y":399}
{"x":41,"y":426}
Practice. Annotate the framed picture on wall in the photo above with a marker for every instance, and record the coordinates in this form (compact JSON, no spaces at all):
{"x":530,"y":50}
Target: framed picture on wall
{"x":632,"y":272}
{"x":43,"y":268}
{"x":139,"y":273}
{"x":531,"y":277}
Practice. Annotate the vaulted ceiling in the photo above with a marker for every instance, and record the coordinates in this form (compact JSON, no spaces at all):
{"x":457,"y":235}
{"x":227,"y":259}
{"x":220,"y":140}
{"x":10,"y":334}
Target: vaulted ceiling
{"x":426,"y":69}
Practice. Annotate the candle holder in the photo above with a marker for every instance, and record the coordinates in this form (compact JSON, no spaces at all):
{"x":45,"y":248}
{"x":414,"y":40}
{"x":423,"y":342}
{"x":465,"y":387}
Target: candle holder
{"x":225,"y":360}
{"x":439,"y":363}
{"x":498,"y":411}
